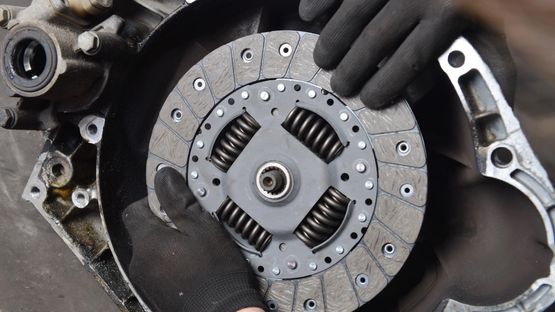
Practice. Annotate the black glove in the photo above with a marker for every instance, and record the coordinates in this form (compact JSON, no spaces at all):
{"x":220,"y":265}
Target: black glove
{"x":362,"y":33}
{"x":195,"y":268}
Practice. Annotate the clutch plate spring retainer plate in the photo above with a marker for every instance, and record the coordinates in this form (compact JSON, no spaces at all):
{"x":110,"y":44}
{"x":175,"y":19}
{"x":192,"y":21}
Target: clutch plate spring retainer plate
{"x":325,"y":196}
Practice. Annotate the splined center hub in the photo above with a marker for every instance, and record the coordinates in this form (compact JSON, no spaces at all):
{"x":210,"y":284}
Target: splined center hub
{"x":291,"y":170}
{"x":274,"y":181}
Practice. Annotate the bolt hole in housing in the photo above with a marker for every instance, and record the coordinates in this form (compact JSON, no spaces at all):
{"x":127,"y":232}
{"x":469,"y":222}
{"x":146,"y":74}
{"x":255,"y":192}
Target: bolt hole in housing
{"x":502,"y":157}
{"x":35,"y":192}
{"x":456,"y":59}
{"x":288,"y":167}
{"x":58,"y":170}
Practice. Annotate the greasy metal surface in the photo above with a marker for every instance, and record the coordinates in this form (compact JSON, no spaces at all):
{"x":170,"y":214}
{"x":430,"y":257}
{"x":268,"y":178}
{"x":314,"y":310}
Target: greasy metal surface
{"x":379,"y":216}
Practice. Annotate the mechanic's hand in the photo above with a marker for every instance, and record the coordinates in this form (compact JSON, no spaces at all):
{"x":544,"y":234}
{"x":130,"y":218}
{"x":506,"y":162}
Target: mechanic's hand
{"x":195,"y":268}
{"x":362,"y":33}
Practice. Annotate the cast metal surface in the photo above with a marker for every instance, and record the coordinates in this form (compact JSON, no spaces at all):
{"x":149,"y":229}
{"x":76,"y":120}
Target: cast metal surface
{"x":502,"y":152}
{"x":332,"y":219}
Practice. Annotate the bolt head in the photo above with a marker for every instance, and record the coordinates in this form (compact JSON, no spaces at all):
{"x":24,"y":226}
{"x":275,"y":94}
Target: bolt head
{"x":88,"y":42}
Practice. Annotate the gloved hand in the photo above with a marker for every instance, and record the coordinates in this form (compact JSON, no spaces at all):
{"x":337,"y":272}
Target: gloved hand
{"x":362,"y":33}
{"x":195,"y":268}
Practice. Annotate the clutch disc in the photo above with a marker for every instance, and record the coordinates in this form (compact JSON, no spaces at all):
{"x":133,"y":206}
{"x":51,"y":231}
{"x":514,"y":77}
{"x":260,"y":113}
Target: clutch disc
{"x":324,"y":196}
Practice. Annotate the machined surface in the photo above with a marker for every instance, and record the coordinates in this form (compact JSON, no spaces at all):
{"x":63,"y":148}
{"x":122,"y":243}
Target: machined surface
{"x":269,"y":76}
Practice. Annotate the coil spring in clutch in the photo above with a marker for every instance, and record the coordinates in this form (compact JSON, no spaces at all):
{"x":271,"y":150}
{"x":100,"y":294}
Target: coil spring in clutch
{"x":315,"y":133}
{"x":243,"y":224}
{"x":324,"y":219}
{"x":233,"y":140}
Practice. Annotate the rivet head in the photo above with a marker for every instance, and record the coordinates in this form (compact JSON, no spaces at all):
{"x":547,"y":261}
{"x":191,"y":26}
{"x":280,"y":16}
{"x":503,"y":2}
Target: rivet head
{"x":362,"y":217}
{"x":313,"y":266}
{"x":311,"y":94}
{"x":264,"y":96}
{"x":276,"y":271}
{"x":244,"y":95}
{"x":201,"y":192}
{"x":200,"y":144}
{"x":360,"y":167}
{"x":292,"y":264}
{"x":340,"y":250}
{"x":199,"y":84}
{"x":194,"y":175}
{"x":361,"y":145}
{"x":344,"y":116}
{"x":281,"y":87}
{"x":220,"y":112}
{"x":369,"y":185}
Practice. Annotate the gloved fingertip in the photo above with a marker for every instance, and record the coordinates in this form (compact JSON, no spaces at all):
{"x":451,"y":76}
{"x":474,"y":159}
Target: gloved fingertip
{"x":306,"y":14}
{"x":171,"y":188}
{"x":322,"y":58}
{"x":342,"y":86}
{"x":374,"y":100}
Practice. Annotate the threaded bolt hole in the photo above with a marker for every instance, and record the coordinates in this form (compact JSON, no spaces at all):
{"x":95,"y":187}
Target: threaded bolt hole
{"x":58,"y":170}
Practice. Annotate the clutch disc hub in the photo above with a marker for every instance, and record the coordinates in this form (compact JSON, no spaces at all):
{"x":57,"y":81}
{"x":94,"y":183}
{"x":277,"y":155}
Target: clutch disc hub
{"x":324,"y":196}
